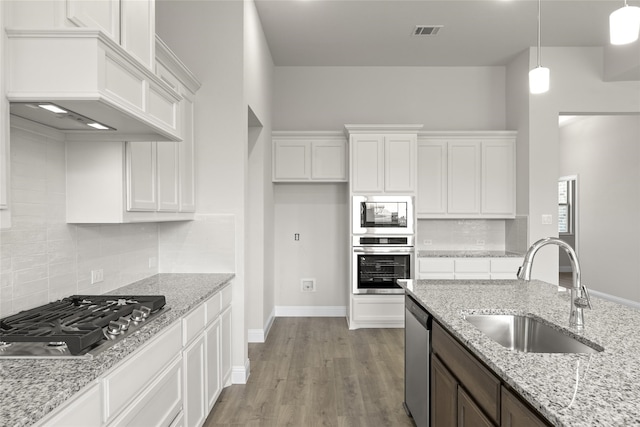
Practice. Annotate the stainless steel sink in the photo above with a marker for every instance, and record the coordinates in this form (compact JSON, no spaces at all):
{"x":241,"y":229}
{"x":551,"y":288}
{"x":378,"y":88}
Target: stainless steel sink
{"x":528,"y":334}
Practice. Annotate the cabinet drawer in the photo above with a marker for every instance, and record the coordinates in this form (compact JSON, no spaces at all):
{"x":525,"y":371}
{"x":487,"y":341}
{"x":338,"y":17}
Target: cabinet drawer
{"x":84,"y":411}
{"x":506,"y":265}
{"x":472,"y":276}
{"x":475,"y":265}
{"x":226,"y":296}
{"x":132,"y":376}
{"x":193,"y":324}
{"x":213,"y":307}
{"x":436,"y":276}
{"x":435,"y":265}
{"x":481,"y":384}
{"x":159,"y":404}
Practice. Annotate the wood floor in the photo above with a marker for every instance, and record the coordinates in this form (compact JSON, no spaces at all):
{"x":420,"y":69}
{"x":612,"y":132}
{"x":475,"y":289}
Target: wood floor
{"x":315,"y":372}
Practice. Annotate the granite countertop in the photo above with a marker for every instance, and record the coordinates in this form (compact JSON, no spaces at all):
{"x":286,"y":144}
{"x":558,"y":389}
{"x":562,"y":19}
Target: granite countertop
{"x":468,"y":254}
{"x":568,"y":389}
{"x":31,"y":388}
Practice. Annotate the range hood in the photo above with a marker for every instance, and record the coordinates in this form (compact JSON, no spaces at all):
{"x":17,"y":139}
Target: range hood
{"x":91,"y":79}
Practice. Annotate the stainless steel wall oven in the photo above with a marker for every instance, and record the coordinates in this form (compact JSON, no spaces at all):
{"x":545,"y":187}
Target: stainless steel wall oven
{"x":378,"y":262}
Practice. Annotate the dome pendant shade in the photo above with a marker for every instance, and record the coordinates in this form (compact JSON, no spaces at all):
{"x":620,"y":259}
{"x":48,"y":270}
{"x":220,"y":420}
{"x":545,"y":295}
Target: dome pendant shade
{"x":624,"y":25}
{"x":539,"y":80}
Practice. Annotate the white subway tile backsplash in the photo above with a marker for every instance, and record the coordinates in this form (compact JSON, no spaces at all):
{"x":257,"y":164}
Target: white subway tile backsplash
{"x":42,"y":258}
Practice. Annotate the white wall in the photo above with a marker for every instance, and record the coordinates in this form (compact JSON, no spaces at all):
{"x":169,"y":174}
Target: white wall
{"x":604,"y":152}
{"x":258,"y":72}
{"x":577,"y":86}
{"x":222,"y":43}
{"x":42,"y":258}
{"x":318,"y":213}
{"x":441,"y":98}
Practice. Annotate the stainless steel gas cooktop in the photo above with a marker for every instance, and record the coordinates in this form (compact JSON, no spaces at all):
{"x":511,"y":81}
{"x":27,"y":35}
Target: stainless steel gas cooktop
{"x":76,"y":326}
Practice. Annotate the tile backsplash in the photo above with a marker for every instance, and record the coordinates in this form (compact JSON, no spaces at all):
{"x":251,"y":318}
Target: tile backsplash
{"x":463,"y":234}
{"x":42,"y":258}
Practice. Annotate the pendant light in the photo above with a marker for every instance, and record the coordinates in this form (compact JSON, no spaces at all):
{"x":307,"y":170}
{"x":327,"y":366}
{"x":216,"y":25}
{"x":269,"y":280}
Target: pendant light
{"x":539,"y":76}
{"x":624,"y":24}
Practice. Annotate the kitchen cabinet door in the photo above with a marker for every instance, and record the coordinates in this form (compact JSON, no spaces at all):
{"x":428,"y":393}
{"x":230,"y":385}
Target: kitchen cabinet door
{"x":498,"y":179}
{"x":167,"y":175}
{"x":141,"y":176}
{"x":399,"y":163}
{"x":213,"y":349}
{"x":432,"y":178}
{"x":444,"y":395}
{"x":367,"y":163}
{"x":291,"y":160}
{"x":469,"y":414}
{"x":187,"y":153}
{"x":225,"y":346}
{"x":194,"y":383}
{"x":137,"y":35}
{"x":328,"y":161}
{"x":517,"y":414}
{"x":104,"y":15}
{"x":464,"y":163}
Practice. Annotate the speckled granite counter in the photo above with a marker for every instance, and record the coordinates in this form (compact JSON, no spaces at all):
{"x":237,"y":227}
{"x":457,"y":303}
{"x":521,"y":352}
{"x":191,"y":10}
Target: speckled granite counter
{"x":600,"y":389}
{"x":31,"y":388}
{"x":468,"y":254}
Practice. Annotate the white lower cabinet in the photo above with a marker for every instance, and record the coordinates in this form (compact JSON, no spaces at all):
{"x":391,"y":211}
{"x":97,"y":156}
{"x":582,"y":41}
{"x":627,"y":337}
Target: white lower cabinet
{"x":172,"y":380}
{"x":212,"y":345}
{"x":376,"y":311}
{"x":159,"y":404}
{"x":225,"y":339}
{"x":193,"y":359}
{"x":441,"y":268}
{"x":85,"y":411}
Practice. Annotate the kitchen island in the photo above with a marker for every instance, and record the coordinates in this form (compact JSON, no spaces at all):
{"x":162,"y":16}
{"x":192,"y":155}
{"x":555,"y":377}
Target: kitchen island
{"x":31,"y":388}
{"x":566,"y":389}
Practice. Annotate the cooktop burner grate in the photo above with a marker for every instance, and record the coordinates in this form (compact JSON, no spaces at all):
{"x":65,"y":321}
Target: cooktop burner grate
{"x":76,"y":321}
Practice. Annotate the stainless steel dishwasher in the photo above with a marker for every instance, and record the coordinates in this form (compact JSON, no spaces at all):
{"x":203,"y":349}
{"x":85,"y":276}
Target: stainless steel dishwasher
{"x":417,"y":348}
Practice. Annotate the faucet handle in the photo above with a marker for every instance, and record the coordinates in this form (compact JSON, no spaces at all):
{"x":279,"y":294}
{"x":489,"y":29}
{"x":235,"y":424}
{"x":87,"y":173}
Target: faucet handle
{"x":583,"y":301}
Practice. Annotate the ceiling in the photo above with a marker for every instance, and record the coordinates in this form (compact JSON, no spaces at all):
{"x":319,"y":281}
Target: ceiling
{"x":379,"y":32}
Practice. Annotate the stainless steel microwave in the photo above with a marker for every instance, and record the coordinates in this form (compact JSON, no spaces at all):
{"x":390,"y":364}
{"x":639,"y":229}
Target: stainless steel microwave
{"x":383,"y":215}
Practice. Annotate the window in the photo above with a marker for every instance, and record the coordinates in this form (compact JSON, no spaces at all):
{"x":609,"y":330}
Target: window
{"x":566,"y":198}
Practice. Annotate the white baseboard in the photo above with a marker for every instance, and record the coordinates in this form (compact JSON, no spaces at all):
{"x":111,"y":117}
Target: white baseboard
{"x":311,"y":311}
{"x":260,"y":335}
{"x":240,"y":374}
{"x":616,"y":299}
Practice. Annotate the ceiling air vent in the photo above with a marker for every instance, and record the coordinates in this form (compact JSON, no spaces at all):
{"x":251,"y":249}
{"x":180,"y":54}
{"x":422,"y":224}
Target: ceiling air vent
{"x":427,"y":30}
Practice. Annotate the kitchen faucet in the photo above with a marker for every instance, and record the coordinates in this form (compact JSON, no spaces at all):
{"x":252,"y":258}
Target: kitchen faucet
{"x":578,"y":301}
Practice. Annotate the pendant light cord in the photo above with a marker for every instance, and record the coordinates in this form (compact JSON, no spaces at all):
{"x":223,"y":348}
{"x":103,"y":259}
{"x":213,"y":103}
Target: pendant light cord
{"x":539,"y":1}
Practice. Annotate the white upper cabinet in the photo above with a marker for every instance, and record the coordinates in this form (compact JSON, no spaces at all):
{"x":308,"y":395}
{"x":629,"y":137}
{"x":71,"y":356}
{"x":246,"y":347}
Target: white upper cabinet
{"x":130,"y":23}
{"x":309,"y":157}
{"x":400,"y":163}
{"x":367,"y":163}
{"x":463,"y":176}
{"x":466,"y":175}
{"x":498,"y":178}
{"x":432,"y":177}
{"x":383,"y":158}
{"x":138,"y":181}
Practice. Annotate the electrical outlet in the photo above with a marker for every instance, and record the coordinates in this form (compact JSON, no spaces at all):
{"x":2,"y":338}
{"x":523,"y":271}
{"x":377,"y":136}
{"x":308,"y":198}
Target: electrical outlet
{"x":308,"y":285}
{"x":153,"y":262}
{"x":427,"y":242}
{"x":97,"y":276}
{"x":480,"y":242}
{"x":547,"y":219}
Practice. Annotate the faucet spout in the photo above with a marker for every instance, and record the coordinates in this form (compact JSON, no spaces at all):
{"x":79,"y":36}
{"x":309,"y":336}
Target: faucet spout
{"x":579,"y":295}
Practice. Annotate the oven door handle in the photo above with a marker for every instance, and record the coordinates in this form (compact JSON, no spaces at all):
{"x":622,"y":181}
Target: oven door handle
{"x":383,"y":250}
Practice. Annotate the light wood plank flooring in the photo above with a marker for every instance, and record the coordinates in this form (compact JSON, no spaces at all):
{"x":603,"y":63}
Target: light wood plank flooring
{"x":315,"y":372}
